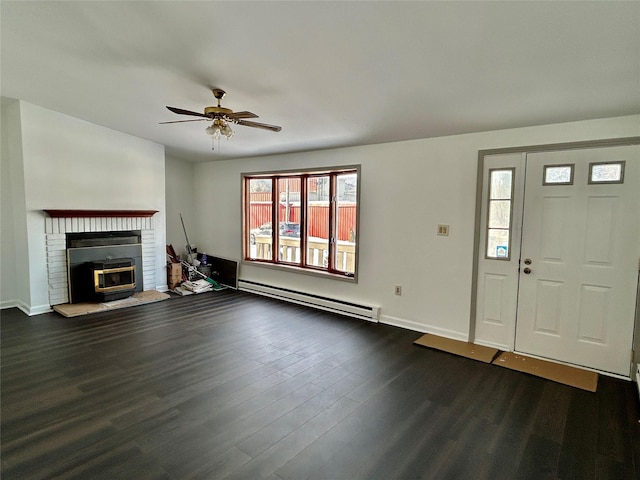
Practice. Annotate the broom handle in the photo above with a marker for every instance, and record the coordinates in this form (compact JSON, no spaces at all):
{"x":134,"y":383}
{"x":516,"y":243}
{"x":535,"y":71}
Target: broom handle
{"x":186,"y":238}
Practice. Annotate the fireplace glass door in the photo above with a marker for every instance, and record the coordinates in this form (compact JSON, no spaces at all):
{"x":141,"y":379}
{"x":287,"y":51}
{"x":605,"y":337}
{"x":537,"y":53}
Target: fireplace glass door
{"x":114,"y":279}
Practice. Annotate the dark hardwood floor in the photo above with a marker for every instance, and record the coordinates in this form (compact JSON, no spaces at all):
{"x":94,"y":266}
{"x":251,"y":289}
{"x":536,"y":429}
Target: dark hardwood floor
{"x":230,"y":385}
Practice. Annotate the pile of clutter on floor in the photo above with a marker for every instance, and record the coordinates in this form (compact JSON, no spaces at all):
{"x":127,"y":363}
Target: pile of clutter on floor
{"x":197,"y":286}
{"x":192,"y":276}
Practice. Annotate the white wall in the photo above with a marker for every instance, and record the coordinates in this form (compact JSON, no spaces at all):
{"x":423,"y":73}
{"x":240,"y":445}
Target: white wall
{"x":407,"y":189}
{"x":14,"y":286}
{"x":72,"y":164}
{"x":180,"y":197}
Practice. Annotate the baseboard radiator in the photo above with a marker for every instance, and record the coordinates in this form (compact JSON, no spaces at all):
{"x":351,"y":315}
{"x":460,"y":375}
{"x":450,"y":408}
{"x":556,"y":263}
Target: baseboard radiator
{"x":366,"y":312}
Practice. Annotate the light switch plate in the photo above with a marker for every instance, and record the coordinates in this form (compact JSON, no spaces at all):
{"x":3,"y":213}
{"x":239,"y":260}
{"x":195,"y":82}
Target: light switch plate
{"x":443,"y":230}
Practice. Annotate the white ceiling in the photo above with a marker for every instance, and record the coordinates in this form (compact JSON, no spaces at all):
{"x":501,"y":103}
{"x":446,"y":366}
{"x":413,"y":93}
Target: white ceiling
{"x":332,"y":74}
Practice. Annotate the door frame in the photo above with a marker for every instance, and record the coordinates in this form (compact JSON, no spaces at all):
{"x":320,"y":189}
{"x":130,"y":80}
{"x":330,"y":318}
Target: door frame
{"x":612,"y":142}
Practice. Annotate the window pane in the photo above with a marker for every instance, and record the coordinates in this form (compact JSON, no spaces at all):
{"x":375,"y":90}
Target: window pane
{"x":499,"y":206}
{"x":289,"y":220}
{"x":606,"y":172}
{"x":558,"y":174}
{"x":501,"y":184}
{"x":498,"y":243}
{"x":325,"y":202}
{"x":318,"y":221}
{"x":346,"y":223}
{"x":499,"y":213}
{"x":260,"y":200}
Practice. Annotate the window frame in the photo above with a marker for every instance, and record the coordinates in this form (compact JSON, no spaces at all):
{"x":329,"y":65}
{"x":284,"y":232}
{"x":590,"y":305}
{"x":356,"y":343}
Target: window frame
{"x":572,"y":169}
{"x":489,"y":199}
{"x":301,"y":266}
{"x":591,"y":181}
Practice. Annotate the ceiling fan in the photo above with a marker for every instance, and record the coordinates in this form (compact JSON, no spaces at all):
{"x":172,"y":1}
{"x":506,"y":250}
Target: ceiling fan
{"x":221,"y":118}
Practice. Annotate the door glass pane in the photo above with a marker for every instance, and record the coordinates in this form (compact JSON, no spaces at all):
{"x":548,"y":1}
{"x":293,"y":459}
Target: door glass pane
{"x":318,"y":221}
{"x":606,"y":172}
{"x":499,"y":210}
{"x":289,"y":220}
{"x":499,"y":213}
{"x":498,"y":243}
{"x":346,"y":223}
{"x":558,"y":175}
{"x":260,"y":198}
{"x":501,"y":184}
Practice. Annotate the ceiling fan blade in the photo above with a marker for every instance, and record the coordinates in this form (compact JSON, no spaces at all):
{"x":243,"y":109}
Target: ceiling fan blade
{"x":182,"y":121}
{"x":246,"y":123}
{"x":239,"y":115}
{"x":181,"y":111}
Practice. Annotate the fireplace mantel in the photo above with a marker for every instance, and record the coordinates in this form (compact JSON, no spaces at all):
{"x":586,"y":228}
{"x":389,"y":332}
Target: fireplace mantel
{"x":99,"y":213}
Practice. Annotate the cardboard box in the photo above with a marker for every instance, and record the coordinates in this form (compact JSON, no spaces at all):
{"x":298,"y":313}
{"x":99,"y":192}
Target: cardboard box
{"x":174,"y":275}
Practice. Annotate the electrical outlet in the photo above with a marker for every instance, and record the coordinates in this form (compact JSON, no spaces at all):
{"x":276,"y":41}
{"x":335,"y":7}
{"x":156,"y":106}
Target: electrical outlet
{"x":398,"y":290}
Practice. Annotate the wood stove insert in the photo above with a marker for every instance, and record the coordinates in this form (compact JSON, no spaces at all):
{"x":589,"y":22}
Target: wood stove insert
{"x":104,"y":266}
{"x":113,"y":279}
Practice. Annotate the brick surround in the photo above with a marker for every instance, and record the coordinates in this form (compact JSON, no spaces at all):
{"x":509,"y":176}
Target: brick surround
{"x":55,"y":241}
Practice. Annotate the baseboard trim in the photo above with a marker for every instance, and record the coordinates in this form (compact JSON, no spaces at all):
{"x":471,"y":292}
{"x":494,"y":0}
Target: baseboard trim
{"x":419,"y":327}
{"x":31,"y":311}
{"x":8,"y":304}
{"x":37,"y":310}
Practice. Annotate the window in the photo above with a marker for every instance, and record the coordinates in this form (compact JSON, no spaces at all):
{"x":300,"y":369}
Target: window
{"x":316,"y":213}
{"x":606,"y":172}
{"x":558,"y":175}
{"x":499,"y":213}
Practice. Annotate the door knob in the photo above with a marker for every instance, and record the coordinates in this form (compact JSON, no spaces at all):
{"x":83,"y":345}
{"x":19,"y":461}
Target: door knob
{"x":527,"y":261}
{"x":527,"y":271}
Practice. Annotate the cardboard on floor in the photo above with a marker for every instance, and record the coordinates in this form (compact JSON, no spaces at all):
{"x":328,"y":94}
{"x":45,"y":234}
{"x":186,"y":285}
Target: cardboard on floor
{"x":572,"y":376}
{"x":457,"y":347}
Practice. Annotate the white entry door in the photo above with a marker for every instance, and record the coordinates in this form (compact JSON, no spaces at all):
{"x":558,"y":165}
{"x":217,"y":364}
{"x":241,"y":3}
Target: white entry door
{"x":579,"y":257}
{"x":499,"y":250}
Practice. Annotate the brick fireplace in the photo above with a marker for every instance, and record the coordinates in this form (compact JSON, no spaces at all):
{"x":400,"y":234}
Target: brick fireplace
{"x":59,"y":223}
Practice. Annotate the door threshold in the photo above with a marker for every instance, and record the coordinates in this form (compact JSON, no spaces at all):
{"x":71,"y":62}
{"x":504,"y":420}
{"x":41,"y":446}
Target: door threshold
{"x":575,"y":365}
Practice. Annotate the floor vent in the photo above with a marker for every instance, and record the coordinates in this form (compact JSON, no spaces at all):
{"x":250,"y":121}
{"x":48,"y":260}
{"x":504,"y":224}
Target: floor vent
{"x":366,"y":312}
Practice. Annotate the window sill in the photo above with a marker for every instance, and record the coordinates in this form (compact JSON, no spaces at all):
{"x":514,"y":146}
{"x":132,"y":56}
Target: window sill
{"x":303,"y":271}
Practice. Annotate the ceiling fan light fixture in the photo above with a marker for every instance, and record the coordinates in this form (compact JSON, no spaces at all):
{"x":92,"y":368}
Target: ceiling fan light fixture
{"x":213,"y":130}
{"x":219,"y":127}
{"x":226,"y":130}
